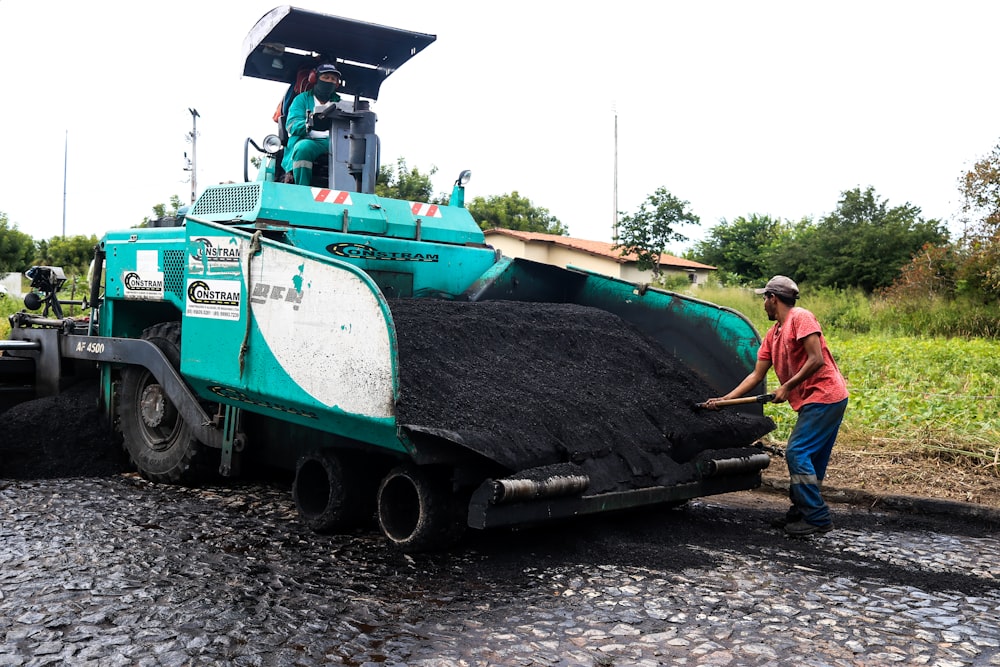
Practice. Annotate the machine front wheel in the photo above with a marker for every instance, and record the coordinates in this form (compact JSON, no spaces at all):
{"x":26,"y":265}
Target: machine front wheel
{"x":157,"y":438}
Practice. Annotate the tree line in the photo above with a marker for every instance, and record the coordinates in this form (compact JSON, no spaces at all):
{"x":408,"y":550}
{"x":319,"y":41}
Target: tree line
{"x":18,"y":251}
{"x":863,"y":243}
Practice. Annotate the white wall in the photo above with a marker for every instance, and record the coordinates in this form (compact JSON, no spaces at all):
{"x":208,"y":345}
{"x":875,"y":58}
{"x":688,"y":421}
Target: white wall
{"x":12,"y":281}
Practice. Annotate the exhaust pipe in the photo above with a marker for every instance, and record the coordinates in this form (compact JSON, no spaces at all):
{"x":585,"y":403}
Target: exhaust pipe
{"x":514,"y":490}
{"x":735,"y":466}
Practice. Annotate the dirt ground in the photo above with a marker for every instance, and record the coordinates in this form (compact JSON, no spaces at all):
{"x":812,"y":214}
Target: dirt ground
{"x":908,"y":473}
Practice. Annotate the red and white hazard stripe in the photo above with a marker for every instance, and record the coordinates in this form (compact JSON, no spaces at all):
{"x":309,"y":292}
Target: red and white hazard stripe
{"x":331,"y":196}
{"x":425,"y":210}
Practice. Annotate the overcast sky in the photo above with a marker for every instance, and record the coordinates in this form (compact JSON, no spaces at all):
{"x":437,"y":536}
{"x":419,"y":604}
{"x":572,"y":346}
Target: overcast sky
{"x":736,"y":107}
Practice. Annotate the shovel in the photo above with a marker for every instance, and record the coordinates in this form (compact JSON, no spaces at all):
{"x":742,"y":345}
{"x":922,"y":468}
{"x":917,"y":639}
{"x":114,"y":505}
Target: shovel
{"x":763,"y":398}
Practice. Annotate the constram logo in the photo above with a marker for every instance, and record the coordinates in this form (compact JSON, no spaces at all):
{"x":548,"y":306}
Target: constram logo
{"x":359,"y":251}
{"x":201,"y":293}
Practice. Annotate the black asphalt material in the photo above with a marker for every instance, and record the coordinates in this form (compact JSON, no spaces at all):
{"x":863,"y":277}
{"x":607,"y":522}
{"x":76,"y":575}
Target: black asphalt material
{"x":532,"y":384}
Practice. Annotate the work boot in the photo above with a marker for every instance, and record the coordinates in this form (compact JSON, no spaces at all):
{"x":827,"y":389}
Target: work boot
{"x":791,"y":516}
{"x":802,"y":527}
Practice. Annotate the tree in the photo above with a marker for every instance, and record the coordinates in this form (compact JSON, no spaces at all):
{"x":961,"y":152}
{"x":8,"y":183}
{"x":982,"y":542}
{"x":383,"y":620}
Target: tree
{"x":406,"y":184}
{"x":980,"y":189}
{"x":161,"y":211}
{"x":790,"y":253}
{"x":647,"y":232}
{"x":864,"y":243}
{"x":738,"y":246}
{"x":17,"y":249}
{"x":72,"y":253}
{"x":931,"y":272}
{"x":512,"y":211}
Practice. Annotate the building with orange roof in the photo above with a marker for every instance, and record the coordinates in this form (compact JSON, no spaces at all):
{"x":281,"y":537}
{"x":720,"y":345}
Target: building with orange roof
{"x":597,"y":256}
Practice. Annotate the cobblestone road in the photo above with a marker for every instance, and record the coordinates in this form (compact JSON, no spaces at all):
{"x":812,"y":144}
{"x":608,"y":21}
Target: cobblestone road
{"x":113,"y":571}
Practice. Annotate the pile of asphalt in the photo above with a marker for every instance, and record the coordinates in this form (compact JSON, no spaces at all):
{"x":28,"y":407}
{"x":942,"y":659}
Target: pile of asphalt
{"x":59,"y":436}
{"x":534,"y":384}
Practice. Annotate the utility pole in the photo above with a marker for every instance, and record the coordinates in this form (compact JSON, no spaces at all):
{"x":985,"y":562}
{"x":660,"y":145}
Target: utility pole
{"x":65,"y":161}
{"x":614,"y":219}
{"x":193,"y":138}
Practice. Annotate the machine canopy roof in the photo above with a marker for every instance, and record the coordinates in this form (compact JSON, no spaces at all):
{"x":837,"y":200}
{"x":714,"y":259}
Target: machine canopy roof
{"x":288,"y":39}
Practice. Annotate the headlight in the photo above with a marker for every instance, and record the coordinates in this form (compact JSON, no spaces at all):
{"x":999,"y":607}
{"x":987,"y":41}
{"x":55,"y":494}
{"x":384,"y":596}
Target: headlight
{"x":272,"y":144}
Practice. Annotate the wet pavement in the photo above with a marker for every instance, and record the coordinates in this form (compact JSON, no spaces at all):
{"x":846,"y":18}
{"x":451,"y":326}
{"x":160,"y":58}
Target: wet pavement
{"x":116,"y":571}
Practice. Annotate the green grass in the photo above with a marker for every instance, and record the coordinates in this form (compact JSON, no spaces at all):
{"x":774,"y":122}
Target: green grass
{"x":8,"y":306}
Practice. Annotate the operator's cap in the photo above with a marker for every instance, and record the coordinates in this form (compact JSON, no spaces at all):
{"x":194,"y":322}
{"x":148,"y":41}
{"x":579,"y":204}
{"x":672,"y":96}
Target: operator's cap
{"x":329,"y":68}
{"x":782,"y":286}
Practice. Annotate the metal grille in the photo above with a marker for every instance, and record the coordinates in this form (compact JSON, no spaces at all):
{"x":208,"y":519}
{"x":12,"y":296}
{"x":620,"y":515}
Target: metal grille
{"x":173,"y":272}
{"x":229,"y":201}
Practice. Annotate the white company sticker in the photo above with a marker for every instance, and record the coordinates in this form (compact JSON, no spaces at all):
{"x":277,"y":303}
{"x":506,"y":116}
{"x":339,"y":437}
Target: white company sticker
{"x":213,"y":252}
{"x":213,"y":299}
{"x":143,"y":285}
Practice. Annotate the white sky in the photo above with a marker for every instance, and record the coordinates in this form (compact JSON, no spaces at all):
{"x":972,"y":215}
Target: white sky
{"x":737,"y":107}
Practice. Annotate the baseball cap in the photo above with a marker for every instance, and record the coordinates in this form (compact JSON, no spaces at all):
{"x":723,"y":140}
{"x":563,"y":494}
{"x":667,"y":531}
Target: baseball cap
{"x":782,"y":286}
{"x":328,"y":68}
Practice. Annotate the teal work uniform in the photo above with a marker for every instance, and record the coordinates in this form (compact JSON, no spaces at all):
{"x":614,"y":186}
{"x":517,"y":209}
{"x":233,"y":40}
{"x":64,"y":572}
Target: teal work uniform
{"x":302,"y":150}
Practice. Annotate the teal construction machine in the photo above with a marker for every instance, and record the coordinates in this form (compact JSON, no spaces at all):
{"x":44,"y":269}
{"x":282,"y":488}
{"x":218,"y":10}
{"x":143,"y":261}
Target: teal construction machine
{"x":321,"y":330}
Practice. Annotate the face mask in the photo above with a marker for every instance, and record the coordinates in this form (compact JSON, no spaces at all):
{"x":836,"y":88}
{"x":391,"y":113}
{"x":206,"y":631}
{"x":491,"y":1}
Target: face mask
{"x":323,"y":90}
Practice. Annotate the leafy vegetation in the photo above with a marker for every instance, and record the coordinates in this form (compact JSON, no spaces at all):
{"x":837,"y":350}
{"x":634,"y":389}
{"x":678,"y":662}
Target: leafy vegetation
{"x":737,"y":245}
{"x":514,"y":211}
{"x":406,"y":183}
{"x":162,"y":210}
{"x":9,"y":305}
{"x":648,"y":232}
{"x":16,"y":247}
{"x":979,"y":248}
{"x":862,"y":243}
{"x":72,"y":253}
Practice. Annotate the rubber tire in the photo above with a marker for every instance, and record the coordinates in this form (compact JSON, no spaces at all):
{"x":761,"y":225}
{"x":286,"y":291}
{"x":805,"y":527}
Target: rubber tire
{"x":169,"y":452}
{"x":417,"y":510}
{"x":329,"y":495}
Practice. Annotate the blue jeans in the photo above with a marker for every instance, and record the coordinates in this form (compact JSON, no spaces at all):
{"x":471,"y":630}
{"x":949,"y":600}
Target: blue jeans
{"x":808,"y":453}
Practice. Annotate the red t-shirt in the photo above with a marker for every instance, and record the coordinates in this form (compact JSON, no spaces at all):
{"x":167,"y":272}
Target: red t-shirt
{"x":783,"y":347}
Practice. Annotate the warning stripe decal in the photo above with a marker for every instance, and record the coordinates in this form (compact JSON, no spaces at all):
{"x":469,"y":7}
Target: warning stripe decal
{"x":426,"y":210}
{"x":331,"y":196}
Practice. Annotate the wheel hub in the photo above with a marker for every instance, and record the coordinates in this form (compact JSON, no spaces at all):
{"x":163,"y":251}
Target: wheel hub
{"x":152,"y":405}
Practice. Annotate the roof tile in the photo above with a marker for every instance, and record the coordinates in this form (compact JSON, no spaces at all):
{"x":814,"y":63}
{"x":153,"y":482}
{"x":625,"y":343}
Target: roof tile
{"x":601,"y":248}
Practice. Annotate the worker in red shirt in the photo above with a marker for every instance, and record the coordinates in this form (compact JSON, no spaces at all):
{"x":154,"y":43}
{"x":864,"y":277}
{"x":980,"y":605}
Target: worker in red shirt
{"x":814,"y":387}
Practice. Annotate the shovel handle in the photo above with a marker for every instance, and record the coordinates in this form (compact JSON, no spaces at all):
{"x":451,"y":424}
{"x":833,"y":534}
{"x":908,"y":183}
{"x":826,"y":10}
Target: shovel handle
{"x":763,"y":398}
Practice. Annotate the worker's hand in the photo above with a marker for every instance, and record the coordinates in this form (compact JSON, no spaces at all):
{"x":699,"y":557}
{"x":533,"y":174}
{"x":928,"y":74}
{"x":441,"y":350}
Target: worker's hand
{"x":309,"y":122}
{"x":710,"y":403}
{"x":780,"y":395}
